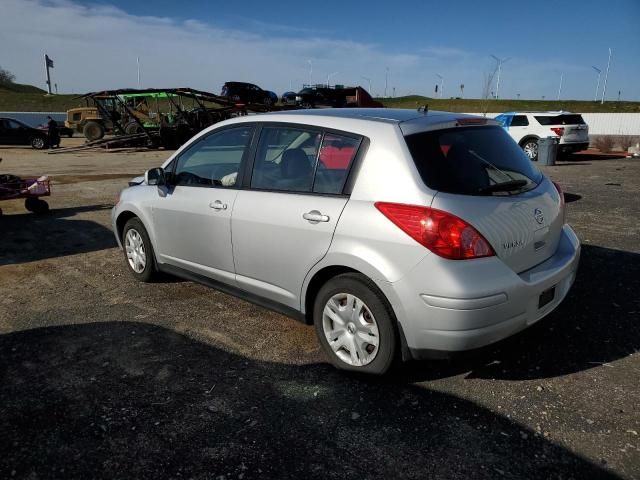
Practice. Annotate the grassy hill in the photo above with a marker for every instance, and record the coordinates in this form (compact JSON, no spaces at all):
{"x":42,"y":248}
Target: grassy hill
{"x":476,"y":105}
{"x":27,"y":98}
{"x":12,"y":101}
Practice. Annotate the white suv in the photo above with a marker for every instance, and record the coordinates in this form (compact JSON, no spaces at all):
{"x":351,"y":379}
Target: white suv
{"x":396,"y":232}
{"x":526,"y":128}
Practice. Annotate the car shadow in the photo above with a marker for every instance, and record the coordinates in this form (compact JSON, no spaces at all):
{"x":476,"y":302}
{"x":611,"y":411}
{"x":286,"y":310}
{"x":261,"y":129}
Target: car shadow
{"x":571,"y":197}
{"x":27,"y":237}
{"x":598,"y":322}
{"x":581,"y":157}
{"x":132,"y":400}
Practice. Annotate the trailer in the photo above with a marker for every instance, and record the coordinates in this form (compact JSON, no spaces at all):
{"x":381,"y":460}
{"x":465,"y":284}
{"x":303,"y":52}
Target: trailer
{"x":31,"y":189}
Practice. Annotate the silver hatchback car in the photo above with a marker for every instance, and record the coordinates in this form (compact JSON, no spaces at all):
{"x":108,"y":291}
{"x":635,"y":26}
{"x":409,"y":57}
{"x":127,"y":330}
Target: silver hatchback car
{"x":397,"y":233}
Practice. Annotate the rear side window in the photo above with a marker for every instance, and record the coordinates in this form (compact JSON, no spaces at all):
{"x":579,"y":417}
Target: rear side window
{"x":467,"y":160}
{"x":519,"y":121}
{"x":563,"y":119}
{"x":285,"y":159}
{"x":336,"y":156}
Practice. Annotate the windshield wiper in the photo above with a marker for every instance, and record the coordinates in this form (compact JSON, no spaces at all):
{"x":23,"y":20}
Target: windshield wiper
{"x":509,"y":186}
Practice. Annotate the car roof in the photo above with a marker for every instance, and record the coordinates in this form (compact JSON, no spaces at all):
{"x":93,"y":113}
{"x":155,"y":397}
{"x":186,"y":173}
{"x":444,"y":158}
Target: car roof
{"x":537,"y":112}
{"x":385,"y":115}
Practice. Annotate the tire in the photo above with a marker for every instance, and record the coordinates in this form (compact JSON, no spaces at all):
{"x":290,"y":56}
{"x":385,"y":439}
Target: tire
{"x":530,"y":148}
{"x":354,"y":341}
{"x":268,"y":101}
{"x":134,"y":236}
{"x":93,"y":131}
{"x":133,"y":128}
{"x":35,"y":205}
{"x":38,"y":142}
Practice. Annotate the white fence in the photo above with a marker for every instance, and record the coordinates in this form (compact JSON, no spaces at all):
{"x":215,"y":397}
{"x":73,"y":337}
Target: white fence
{"x":608,"y":123}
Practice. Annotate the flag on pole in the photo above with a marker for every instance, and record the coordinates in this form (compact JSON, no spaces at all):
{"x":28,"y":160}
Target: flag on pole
{"x":49,"y":61}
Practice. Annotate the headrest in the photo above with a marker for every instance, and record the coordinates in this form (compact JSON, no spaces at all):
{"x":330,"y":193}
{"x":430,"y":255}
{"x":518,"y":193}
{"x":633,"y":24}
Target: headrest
{"x":295,"y":164}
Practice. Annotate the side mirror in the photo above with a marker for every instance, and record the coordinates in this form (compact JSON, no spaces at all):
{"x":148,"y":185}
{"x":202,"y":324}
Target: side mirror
{"x":154,"y":176}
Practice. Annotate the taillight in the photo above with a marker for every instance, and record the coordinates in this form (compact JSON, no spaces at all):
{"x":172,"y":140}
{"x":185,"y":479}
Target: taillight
{"x":442,"y":233}
{"x":558,"y":131}
{"x":561,"y":193}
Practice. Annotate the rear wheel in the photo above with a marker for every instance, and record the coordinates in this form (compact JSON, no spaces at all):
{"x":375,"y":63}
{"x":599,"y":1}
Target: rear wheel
{"x":530,"y":148}
{"x":133,"y":128}
{"x":138,"y":251}
{"x":35,"y":205}
{"x":355,"y":325}
{"x":38,"y":143}
{"x":93,"y":131}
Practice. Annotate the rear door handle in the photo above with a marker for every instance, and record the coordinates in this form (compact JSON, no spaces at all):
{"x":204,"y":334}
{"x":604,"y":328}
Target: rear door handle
{"x":218,"y":205}
{"x":314,"y":216}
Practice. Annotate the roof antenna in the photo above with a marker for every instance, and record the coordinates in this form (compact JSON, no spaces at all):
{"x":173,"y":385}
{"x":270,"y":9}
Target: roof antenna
{"x":424,"y":109}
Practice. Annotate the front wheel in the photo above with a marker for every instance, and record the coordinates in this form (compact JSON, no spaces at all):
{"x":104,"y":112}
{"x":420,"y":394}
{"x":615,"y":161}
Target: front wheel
{"x":355,"y":325}
{"x":138,"y":251}
{"x":38,"y":143}
{"x":530,"y":148}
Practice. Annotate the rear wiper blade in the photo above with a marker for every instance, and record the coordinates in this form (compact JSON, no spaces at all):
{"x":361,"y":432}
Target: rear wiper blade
{"x":504,"y":186}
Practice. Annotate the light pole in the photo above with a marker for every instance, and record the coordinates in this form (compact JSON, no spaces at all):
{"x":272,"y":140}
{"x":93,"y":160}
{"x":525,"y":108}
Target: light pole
{"x":310,"y":72}
{"x":138,"y":66}
{"x":329,"y":75}
{"x":368,"y":80}
{"x":560,"y":87}
{"x":606,"y":76}
{"x":500,"y":62}
{"x":595,"y":97}
{"x":441,"y":83}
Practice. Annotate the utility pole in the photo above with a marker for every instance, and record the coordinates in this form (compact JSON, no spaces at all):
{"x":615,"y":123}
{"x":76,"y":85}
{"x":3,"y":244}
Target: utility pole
{"x":441,"y":83}
{"x":310,"y":72}
{"x":560,"y":87}
{"x":56,"y":85}
{"x":606,"y":76}
{"x":138,"y":65}
{"x":386,"y":81}
{"x":595,"y":97}
{"x":462,"y":90}
{"x":500,"y":62}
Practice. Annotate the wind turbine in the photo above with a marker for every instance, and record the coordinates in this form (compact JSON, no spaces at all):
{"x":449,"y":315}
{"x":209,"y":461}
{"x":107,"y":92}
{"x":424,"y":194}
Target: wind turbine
{"x":500,"y":62}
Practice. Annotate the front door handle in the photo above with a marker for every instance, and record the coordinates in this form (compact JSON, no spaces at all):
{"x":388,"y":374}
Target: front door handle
{"x":218,"y":205}
{"x":314,"y":216}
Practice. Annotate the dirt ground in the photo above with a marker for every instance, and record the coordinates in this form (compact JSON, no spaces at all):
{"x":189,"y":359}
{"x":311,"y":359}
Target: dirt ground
{"x":103,"y":377}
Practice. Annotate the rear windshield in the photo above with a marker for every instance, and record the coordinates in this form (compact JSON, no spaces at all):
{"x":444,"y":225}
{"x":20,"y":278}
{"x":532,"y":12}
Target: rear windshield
{"x":467,"y":160}
{"x":563,"y":119}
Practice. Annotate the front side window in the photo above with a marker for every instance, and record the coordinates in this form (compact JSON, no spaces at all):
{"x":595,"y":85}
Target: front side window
{"x":285,"y":159}
{"x":472,"y":161}
{"x":14,"y":125}
{"x":214,"y":160}
{"x":335,"y":159}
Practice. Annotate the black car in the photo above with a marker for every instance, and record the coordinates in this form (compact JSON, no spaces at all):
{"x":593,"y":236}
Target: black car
{"x":310,"y":97}
{"x":15,"y":132}
{"x":242,"y":92}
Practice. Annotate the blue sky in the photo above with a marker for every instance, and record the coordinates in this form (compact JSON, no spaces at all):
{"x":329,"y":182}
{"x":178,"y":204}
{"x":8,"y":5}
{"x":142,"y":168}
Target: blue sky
{"x":203,"y":43}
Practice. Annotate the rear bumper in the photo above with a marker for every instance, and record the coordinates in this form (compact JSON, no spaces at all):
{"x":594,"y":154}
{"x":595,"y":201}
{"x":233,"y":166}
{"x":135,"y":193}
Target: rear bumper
{"x":479,"y":302}
{"x":573,"y":147}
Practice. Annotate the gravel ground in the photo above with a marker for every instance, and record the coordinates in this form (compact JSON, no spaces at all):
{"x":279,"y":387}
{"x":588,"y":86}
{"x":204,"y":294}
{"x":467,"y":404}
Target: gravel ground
{"x":102,"y":377}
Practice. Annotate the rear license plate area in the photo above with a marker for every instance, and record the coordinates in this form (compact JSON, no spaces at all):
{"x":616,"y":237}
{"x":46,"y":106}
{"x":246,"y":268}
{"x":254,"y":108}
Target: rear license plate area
{"x":546,"y":297}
